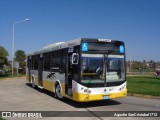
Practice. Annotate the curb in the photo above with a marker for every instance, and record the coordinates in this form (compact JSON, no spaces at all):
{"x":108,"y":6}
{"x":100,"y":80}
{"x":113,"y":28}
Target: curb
{"x":144,"y":96}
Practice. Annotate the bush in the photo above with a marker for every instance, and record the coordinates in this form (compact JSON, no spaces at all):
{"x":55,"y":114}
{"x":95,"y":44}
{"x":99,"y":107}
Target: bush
{"x":4,"y":72}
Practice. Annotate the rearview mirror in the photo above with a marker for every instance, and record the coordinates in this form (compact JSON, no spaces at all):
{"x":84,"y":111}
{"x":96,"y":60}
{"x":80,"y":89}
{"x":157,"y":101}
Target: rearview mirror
{"x":75,"y":58}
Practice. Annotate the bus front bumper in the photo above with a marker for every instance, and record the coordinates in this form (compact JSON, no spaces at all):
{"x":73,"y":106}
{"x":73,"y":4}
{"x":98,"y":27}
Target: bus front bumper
{"x":80,"y":97}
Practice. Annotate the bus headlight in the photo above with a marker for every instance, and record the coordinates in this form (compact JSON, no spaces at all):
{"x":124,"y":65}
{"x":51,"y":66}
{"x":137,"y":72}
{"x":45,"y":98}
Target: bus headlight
{"x":122,"y":88}
{"x":89,"y":91}
{"x":85,"y":90}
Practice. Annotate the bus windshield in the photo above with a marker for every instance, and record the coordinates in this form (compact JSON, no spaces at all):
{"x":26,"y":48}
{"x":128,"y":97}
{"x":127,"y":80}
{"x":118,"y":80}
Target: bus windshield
{"x":102,"y":68}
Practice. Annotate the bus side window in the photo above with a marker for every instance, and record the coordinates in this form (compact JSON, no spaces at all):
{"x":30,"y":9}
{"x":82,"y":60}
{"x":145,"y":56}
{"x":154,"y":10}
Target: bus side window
{"x":63,"y":61}
{"x":46,"y":61}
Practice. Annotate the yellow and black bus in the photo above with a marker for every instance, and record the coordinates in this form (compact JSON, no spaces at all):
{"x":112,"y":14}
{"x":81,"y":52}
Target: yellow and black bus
{"x":83,"y":69}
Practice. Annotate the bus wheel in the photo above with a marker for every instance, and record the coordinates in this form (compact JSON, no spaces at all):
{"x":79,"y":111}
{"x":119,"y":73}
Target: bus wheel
{"x":33,"y":82}
{"x":58,"y":92}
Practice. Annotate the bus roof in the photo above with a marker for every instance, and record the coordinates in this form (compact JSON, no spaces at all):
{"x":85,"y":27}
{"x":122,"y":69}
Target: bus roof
{"x":61,"y":45}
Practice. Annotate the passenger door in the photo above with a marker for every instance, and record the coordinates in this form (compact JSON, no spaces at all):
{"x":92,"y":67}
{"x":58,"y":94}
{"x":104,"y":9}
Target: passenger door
{"x":40,"y":70}
{"x":71,"y":70}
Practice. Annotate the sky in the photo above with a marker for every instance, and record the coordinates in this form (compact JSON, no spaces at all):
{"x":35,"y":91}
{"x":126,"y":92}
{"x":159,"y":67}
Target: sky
{"x":136,"y":22}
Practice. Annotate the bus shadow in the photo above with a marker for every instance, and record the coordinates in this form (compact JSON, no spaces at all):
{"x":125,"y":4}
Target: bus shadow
{"x":78,"y":104}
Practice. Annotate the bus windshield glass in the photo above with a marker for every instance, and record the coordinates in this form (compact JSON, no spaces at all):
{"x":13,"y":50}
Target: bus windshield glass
{"x":102,"y":68}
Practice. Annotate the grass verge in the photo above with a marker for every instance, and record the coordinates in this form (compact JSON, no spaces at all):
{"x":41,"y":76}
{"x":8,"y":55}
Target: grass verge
{"x":143,"y":85}
{"x":10,"y":76}
{"x":2,"y":118}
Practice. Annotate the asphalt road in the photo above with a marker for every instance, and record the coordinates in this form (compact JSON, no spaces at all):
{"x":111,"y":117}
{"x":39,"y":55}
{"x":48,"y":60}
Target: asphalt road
{"x":17,"y":95}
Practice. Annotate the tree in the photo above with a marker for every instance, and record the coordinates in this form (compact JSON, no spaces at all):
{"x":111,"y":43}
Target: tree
{"x":3,"y":56}
{"x":137,"y":65}
{"x":20,"y":57}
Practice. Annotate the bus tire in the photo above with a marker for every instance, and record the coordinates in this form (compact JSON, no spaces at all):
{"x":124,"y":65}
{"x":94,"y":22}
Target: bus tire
{"x":33,"y":82}
{"x":58,"y":92}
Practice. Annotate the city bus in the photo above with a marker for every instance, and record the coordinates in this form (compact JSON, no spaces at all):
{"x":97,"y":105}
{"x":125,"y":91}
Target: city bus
{"x":83,"y":69}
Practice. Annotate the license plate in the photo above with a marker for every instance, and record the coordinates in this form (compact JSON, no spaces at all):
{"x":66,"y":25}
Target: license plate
{"x":106,"y":97}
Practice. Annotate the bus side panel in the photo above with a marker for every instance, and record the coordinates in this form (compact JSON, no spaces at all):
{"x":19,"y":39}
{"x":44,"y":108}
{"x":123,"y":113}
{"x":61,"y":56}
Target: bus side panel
{"x":34,"y":75}
{"x":36,"y":81}
{"x":48,"y":81}
{"x":48,"y":85}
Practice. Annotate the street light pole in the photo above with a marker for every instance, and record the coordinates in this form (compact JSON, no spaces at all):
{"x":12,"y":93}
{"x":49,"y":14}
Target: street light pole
{"x":13,"y":51}
{"x":13,"y":43}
